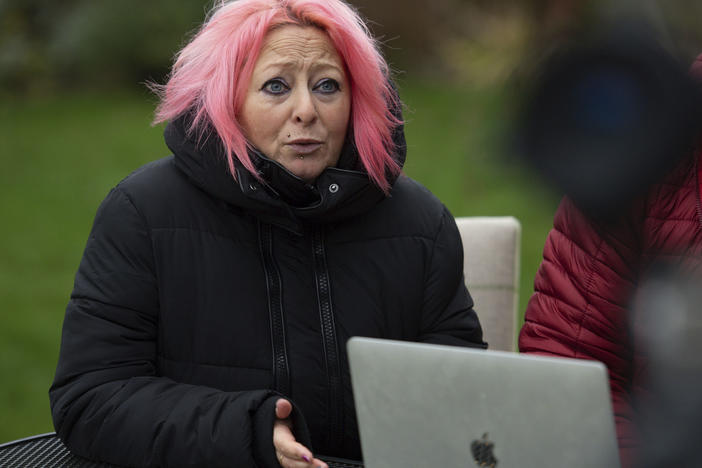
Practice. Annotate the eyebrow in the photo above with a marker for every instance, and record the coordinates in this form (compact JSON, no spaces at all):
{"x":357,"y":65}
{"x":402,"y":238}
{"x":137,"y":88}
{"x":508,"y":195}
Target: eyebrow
{"x":318,"y":64}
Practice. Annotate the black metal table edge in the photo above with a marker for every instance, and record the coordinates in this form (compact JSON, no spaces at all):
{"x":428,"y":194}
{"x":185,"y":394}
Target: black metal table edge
{"x":27,"y":439}
{"x":334,"y":462}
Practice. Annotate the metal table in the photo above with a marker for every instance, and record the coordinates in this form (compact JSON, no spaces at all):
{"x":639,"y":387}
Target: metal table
{"x":47,"y":450}
{"x":44,"y":450}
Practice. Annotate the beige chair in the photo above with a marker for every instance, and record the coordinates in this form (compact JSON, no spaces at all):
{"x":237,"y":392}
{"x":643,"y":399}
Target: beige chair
{"x":491,"y":248}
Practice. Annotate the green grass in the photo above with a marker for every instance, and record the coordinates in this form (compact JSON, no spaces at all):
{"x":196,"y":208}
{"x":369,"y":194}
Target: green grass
{"x":59,"y":156}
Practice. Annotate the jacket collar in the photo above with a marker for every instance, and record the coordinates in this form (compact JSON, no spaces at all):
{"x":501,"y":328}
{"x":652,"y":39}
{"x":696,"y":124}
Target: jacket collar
{"x":279,"y":197}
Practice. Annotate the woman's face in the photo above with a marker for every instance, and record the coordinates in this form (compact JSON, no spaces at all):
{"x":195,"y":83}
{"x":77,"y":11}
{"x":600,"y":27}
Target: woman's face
{"x":296,"y":110}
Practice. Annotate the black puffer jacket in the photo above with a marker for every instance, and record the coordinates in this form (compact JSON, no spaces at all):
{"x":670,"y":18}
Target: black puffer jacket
{"x":200,"y":300}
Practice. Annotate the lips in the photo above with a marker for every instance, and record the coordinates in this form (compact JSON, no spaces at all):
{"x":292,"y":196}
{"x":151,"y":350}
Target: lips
{"x":304,"y":146}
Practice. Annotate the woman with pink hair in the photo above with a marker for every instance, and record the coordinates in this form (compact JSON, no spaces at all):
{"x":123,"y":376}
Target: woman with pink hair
{"x":219,"y":285}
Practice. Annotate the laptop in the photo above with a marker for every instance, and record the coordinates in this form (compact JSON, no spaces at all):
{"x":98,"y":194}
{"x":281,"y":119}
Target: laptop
{"x":422,"y":405}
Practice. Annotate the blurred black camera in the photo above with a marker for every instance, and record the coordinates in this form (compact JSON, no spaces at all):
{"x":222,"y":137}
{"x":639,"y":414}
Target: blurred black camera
{"x":607,"y":115}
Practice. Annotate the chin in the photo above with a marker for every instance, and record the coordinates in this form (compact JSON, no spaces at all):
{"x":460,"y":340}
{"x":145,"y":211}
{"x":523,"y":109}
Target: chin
{"x":308,"y":174}
{"x":307,"y":177}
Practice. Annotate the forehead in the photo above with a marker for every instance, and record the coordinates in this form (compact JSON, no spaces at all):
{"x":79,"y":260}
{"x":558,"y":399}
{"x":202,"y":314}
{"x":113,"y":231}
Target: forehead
{"x":298,"y":45}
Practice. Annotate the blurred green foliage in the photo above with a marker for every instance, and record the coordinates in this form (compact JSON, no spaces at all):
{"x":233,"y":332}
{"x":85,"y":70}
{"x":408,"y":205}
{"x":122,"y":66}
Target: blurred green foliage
{"x":49,"y":45}
{"x":76,"y":44}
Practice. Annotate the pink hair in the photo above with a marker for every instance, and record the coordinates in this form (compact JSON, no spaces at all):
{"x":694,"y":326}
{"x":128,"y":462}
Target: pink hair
{"x":212,"y":73}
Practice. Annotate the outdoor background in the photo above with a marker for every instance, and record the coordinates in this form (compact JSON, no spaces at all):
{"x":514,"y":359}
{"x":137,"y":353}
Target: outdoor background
{"x":75,"y":119}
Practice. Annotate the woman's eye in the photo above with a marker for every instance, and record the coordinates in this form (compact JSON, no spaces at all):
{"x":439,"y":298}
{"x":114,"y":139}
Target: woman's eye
{"x":328,"y":86}
{"x":275,"y":86}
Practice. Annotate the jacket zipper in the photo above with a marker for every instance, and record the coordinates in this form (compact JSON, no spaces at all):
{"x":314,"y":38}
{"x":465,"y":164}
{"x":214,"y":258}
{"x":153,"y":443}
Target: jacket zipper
{"x":281,"y":371}
{"x":335,"y":407}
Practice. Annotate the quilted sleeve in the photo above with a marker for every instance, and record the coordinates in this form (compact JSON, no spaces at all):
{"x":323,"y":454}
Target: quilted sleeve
{"x":448,"y":316}
{"x":108,"y":402}
{"x":579,"y":306}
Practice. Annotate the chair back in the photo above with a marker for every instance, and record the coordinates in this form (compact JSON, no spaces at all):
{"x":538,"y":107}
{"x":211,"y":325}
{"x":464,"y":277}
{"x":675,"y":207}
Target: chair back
{"x":491,"y":248}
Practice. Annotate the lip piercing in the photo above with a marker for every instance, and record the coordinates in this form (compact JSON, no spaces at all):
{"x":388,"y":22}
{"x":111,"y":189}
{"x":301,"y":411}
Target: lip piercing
{"x":300,"y":156}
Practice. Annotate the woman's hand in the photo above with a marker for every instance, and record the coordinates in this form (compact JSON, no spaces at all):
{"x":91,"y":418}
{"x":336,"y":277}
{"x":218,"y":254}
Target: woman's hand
{"x":289,"y":452}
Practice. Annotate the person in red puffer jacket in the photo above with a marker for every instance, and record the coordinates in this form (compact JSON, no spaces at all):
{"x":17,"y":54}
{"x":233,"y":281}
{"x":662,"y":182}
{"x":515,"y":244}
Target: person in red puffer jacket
{"x":590,"y":271}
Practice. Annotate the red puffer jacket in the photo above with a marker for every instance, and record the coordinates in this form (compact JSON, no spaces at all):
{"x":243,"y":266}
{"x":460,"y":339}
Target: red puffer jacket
{"x":583,"y":286}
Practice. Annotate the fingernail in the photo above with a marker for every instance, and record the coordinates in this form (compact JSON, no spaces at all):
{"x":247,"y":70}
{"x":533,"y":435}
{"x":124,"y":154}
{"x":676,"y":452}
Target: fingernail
{"x":306,"y":458}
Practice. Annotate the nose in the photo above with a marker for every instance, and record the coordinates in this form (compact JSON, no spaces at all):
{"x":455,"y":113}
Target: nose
{"x":305,"y":109}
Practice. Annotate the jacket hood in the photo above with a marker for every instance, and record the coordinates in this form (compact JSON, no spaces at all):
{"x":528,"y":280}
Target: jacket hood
{"x":279,"y":197}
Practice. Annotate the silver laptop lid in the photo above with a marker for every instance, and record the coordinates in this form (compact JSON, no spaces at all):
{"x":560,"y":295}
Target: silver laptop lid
{"x":421,"y":405}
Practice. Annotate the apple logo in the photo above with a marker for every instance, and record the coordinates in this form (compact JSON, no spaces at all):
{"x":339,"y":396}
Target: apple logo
{"x":482,"y":452}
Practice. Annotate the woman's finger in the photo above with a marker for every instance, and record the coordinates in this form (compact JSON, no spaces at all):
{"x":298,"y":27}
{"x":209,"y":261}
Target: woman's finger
{"x":290,"y":453}
{"x":302,"y":462}
{"x":317,"y":463}
{"x":294,"y":451}
{"x":285,"y":443}
{"x":283,"y":408}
